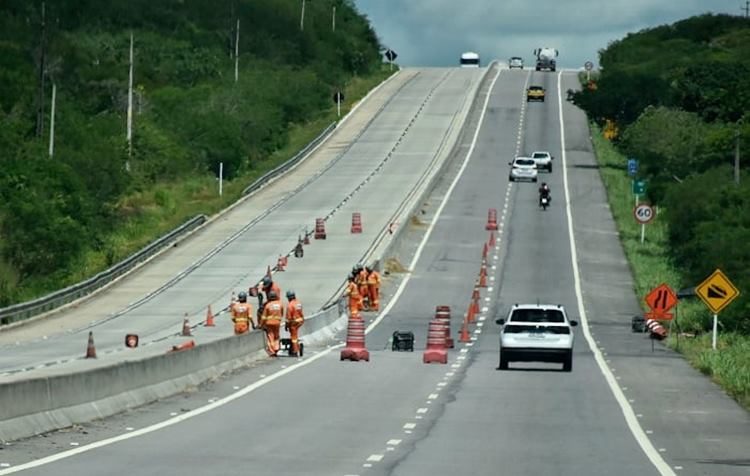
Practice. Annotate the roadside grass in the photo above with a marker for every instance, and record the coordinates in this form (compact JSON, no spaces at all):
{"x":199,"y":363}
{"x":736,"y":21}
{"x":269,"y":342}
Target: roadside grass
{"x":651,"y":265}
{"x":153,"y":212}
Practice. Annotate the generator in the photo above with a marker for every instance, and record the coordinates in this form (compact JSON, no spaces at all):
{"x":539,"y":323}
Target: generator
{"x":403,"y":341}
{"x":286,"y":345}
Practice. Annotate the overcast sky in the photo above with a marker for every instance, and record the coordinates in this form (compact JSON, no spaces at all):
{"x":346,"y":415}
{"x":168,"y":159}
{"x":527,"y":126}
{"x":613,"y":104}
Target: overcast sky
{"x":436,"y":32}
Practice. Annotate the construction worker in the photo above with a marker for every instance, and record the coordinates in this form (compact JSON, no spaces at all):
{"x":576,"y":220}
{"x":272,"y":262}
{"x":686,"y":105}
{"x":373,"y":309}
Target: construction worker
{"x":242,"y":313}
{"x":355,"y":299}
{"x":270,"y":321}
{"x":268,"y":286}
{"x":373,"y":287}
{"x":360,"y":277}
{"x":294,"y":320}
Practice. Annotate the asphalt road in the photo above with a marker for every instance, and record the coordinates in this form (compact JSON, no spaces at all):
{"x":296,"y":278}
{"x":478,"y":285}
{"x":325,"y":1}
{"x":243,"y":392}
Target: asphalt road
{"x":395,"y":415}
{"x":390,"y":156}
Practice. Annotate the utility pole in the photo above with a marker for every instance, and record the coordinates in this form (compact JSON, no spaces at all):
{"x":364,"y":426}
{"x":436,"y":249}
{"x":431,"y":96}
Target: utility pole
{"x":52,"y":122}
{"x":302,"y":17}
{"x":333,"y":19}
{"x":237,"y":53}
{"x":129,"y":135}
{"x":737,"y":157}
{"x":42,"y":68}
{"x":746,"y":8}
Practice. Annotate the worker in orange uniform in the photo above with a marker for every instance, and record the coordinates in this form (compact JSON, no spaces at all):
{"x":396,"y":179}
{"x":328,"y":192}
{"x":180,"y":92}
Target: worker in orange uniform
{"x":270,"y":321}
{"x":242,"y":313}
{"x":360,"y":277}
{"x":268,"y":286}
{"x":373,"y":287}
{"x":355,"y":299}
{"x":294,"y":320}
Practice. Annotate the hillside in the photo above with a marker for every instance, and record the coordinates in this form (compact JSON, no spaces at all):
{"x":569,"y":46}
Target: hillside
{"x":67,"y":216}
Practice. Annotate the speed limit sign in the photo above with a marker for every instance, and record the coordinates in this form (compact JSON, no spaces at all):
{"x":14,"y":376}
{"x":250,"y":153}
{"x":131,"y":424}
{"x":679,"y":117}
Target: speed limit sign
{"x":588,"y":65}
{"x":643,"y":213}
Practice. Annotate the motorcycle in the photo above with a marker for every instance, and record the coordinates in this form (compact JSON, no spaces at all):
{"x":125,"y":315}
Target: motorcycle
{"x":544,"y":202}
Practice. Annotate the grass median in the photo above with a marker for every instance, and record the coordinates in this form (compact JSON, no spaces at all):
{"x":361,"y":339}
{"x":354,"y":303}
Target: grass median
{"x":652,"y":265}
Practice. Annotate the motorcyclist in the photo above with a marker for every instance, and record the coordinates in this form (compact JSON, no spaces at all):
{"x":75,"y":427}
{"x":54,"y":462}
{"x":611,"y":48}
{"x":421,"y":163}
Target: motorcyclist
{"x":544,"y":192}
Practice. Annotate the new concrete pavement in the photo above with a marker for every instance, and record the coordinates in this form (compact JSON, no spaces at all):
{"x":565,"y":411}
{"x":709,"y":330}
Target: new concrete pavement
{"x":407,"y":135}
{"x":395,"y":415}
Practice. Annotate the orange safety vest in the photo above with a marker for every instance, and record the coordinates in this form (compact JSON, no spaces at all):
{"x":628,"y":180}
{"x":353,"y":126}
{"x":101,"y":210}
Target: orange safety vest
{"x":373,"y":279}
{"x":294,"y":314}
{"x":272,"y":311}
{"x":274,"y":287}
{"x":361,"y":278}
{"x":241,"y":311}
{"x":352,"y":290}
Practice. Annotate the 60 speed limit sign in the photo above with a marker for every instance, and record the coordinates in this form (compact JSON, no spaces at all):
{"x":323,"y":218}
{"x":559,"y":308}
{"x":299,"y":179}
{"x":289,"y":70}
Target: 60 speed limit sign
{"x":643,"y":213}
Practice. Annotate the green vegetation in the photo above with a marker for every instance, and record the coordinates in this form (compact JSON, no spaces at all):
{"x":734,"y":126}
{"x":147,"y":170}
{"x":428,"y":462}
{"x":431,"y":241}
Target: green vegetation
{"x":680,"y":96}
{"x":67,"y":217}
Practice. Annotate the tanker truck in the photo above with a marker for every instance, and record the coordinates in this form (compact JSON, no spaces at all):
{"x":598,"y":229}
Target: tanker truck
{"x":545,"y":58}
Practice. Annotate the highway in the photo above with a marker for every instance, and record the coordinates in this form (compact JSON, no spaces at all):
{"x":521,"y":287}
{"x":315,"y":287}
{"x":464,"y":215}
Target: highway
{"x":397,"y":416}
{"x":388,"y":157}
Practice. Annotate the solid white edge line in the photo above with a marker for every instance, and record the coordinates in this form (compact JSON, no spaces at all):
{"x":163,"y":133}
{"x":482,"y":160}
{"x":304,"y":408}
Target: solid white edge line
{"x":635,"y":428}
{"x":254,"y":386}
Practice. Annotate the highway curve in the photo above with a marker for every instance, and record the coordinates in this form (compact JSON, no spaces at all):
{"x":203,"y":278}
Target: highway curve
{"x":373,"y":174}
{"x":395,"y":415}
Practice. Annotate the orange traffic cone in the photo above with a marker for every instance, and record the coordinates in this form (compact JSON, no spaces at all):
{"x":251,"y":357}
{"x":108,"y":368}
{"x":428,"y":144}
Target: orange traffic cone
{"x":268,"y":271}
{"x":209,"y":318}
{"x":492,"y":239}
{"x":483,"y":275}
{"x":464,"y":337}
{"x":232,"y":299}
{"x":184,"y":346}
{"x":471,"y":313}
{"x":306,"y":240}
{"x":90,"y":349}
{"x":484,"y":251}
{"x":186,"y":327}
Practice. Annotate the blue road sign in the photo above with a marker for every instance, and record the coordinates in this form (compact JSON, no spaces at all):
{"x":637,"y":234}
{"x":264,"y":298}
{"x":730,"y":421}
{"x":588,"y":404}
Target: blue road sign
{"x":632,"y":167}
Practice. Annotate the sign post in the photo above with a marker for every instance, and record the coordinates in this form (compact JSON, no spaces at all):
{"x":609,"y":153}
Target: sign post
{"x":588,"y":65}
{"x":643,"y":214}
{"x":391,"y":55}
{"x":338,"y":96}
{"x":716,"y":292}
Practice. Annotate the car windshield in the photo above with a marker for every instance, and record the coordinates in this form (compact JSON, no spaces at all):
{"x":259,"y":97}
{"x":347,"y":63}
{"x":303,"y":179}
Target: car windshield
{"x":535,"y":88}
{"x":524,"y":162}
{"x":515,"y":59}
{"x":537,"y":315}
{"x":540,"y":155}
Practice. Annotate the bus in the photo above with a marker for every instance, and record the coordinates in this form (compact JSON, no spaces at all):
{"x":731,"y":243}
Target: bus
{"x":470,"y":60}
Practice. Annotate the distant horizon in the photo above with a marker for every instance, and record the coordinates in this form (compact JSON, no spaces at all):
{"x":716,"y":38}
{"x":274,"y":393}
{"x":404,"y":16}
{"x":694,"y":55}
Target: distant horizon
{"x":437,"y":32}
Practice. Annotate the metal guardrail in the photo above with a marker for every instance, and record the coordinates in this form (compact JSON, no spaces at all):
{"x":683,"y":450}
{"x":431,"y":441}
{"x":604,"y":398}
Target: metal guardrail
{"x":266,"y":177}
{"x":25,"y":310}
{"x":64,"y":296}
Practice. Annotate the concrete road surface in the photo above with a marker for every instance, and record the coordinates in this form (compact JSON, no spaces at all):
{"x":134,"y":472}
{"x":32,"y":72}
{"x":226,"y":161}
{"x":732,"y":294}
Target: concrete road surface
{"x":395,"y":415}
{"x":400,"y":145}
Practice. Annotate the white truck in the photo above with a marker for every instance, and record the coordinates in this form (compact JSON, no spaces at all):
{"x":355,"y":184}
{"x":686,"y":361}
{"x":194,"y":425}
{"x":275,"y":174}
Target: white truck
{"x":545,"y":58}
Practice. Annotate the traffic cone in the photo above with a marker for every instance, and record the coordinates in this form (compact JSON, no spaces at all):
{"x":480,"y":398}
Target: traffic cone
{"x":465,"y":332}
{"x":491,"y":219}
{"x":435,"y":351}
{"x":90,"y":349}
{"x":356,"y":222}
{"x":280,"y":265}
{"x":492,"y":239}
{"x":184,"y":346}
{"x":306,"y":240}
{"x":355,"y":349}
{"x":484,"y":251}
{"x":232,"y":299}
{"x":471,"y":313}
{"x":186,"y":327}
{"x":268,"y":271}
{"x":483,"y":275}
{"x":209,"y":318}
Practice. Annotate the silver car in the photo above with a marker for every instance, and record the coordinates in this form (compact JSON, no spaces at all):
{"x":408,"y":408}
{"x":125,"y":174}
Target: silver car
{"x":515,"y":62}
{"x":523,"y":168}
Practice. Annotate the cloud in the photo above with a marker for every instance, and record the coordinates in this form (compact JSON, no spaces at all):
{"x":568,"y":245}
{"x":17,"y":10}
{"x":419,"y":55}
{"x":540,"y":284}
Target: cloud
{"x":435,"y":32}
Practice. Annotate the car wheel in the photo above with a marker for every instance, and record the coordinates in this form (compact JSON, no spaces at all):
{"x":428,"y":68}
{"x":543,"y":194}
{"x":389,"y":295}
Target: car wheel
{"x":534,"y":180}
{"x":568,"y":362}
{"x":549,"y":168}
{"x":503,"y":362}
{"x":510,"y":178}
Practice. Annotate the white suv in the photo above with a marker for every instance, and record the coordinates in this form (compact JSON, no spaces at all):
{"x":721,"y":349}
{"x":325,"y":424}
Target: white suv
{"x":523,"y":168}
{"x":537,"y":333}
{"x":543,"y":160}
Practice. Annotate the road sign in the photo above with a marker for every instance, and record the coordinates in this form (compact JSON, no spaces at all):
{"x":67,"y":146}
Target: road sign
{"x":639,"y":187}
{"x":717,"y":291}
{"x":588,"y":65}
{"x":643,"y":213}
{"x":338,"y":96}
{"x":660,"y":300}
{"x":632,"y":167}
{"x":391,"y":55}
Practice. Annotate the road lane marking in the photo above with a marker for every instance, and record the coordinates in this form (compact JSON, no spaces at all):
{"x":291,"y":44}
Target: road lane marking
{"x":375,"y":458}
{"x":635,"y":428}
{"x":241,"y":392}
{"x":409,"y":426}
{"x":393,"y":442}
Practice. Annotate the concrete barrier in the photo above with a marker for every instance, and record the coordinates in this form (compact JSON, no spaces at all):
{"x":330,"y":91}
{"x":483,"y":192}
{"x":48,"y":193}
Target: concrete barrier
{"x":33,"y":406}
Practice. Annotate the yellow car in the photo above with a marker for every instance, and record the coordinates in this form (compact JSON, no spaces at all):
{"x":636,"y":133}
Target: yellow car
{"x":535,"y":93}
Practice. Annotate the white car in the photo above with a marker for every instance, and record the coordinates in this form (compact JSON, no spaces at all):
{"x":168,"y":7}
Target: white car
{"x":543,"y":160}
{"x":537,"y":333}
{"x":515,"y":62}
{"x":523,"y":168}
